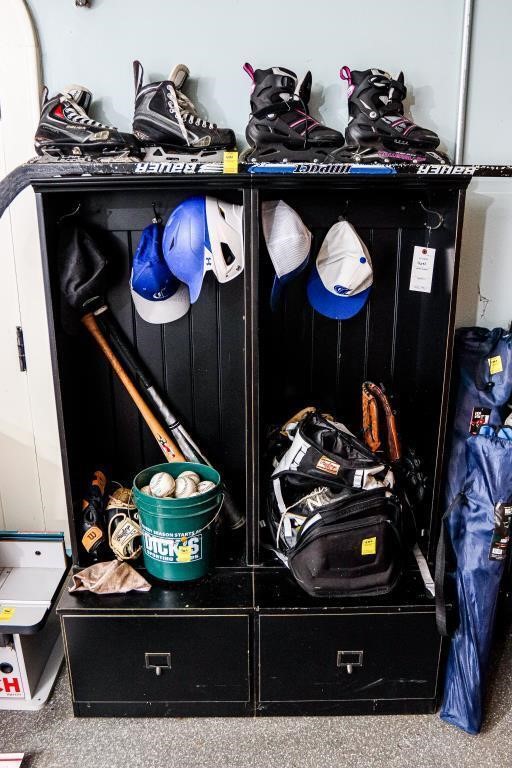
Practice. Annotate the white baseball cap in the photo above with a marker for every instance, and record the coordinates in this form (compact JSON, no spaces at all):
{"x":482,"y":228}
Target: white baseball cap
{"x":341,"y":279}
{"x":288,"y":243}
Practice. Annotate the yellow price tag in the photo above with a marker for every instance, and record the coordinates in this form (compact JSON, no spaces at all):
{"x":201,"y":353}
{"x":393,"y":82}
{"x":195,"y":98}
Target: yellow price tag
{"x":6,"y":613}
{"x":369,"y":546}
{"x":495,"y":365}
{"x":184,"y":554}
{"x":230,"y":164}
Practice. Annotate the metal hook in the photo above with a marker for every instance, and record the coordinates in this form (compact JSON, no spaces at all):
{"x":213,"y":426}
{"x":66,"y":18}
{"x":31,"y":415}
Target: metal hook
{"x":440,"y":217}
{"x":72,"y":213}
{"x":157,"y":219}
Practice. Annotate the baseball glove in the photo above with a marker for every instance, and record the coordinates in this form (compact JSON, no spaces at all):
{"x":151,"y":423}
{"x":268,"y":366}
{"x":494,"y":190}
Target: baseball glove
{"x":124,"y":533}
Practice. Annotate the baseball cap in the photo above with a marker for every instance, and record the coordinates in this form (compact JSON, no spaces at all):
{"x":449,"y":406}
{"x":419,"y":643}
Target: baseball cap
{"x":341,"y":279}
{"x":157,"y":294}
{"x":288,"y":244}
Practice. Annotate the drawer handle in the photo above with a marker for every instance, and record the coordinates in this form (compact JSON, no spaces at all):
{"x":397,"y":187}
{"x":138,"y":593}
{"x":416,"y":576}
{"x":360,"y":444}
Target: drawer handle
{"x":158,"y":661}
{"x":348,"y":660}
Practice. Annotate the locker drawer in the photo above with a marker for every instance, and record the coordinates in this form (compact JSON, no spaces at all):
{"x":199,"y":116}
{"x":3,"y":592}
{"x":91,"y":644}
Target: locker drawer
{"x":349,"y":657}
{"x":158,"y":658}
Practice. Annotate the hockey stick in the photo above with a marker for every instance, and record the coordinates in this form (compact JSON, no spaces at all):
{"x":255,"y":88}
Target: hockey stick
{"x":168,"y":448}
{"x":137,"y":369}
{"x":37,"y":171}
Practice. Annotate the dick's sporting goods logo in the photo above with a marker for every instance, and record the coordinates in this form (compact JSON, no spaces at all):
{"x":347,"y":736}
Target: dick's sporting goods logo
{"x":172,"y":547}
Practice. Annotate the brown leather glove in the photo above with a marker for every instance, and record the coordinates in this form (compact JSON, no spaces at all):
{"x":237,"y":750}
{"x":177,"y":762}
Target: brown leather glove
{"x":374,"y":400}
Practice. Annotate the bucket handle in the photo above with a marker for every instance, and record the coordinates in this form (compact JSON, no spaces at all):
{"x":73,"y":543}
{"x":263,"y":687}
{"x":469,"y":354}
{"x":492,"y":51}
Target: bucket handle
{"x":213,"y":518}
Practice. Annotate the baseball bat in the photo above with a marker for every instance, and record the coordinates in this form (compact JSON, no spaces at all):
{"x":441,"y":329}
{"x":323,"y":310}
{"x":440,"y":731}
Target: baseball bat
{"x":189,"y":448}
{"x":108,"y":325}
{"x":167,"y":446}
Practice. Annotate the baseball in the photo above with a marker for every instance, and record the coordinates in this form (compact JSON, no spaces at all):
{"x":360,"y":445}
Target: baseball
{"x":185,"y":486}
{"x":205,"y":485}
{"x":162,"y":484}
{"x":193,"y":476}
{"x":146,"y":490}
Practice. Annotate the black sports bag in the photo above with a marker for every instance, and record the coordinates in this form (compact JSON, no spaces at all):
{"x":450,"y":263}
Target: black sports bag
{"x":333,"y":518}
{"x":351,"y":546}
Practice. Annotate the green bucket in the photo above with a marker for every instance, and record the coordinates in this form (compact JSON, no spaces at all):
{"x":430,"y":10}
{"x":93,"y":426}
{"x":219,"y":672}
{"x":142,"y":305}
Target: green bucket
{"x":177,"y":534}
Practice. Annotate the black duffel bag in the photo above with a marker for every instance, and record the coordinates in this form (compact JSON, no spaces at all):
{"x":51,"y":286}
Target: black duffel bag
{"x":352,"y":546}
{"x":334,"y":519}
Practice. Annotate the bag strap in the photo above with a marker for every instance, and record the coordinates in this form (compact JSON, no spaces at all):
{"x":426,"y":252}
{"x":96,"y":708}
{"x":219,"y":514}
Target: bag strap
{"x":410,"y":536}
{"x":443,"y":545}
{"x":424,"y":570}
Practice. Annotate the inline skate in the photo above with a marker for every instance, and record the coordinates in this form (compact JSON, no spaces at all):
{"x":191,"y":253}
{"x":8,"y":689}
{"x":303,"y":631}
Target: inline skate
{"x":280,"y":128}
{"x":378,"y":130}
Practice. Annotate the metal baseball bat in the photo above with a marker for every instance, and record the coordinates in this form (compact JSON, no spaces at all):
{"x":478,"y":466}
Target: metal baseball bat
{"x":109,"y":325}
{"x":167,"y":446}
{"x":187,"y":445}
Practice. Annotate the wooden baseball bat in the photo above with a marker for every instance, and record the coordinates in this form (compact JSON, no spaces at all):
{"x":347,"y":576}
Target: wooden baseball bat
{"x":109,"y":327}
{"x":167,"y":446}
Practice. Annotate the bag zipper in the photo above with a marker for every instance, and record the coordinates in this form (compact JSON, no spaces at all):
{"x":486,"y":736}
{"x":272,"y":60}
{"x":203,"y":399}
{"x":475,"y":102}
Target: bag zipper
{"x":352,"y":507}
{"x":375,"y":519}
{"x":372,"y":497}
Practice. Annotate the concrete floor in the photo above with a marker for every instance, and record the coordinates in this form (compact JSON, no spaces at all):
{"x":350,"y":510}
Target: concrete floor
{"x":53,"y":738}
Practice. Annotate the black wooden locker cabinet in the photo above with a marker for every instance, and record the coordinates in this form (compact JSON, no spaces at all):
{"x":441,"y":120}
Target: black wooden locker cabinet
{"x":247,"y":640}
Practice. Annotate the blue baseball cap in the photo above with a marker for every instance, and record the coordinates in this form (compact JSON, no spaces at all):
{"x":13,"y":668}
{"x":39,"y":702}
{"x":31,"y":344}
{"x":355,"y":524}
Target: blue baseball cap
{"x":340,"y":282}
{"x":159,"y":297}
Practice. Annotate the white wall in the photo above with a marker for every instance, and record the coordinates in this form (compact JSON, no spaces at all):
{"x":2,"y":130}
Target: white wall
{"x":486,"y":278}
{"x":96,"y":46}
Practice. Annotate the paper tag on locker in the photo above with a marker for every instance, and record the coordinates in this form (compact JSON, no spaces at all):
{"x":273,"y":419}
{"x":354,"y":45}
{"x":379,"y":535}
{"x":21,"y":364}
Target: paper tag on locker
{"x":422,"y":269}
{"x":11,"y":686}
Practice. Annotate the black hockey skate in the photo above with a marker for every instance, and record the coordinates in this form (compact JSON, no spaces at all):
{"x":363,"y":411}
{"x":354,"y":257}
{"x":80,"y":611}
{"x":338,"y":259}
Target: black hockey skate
{"x":66,"y":131}
{"x":280,"y":128}
{"x":167,"y":126}
{"x":378,"y":131}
